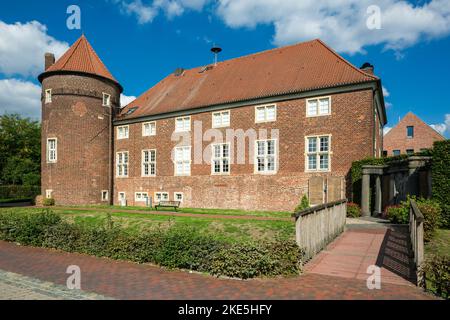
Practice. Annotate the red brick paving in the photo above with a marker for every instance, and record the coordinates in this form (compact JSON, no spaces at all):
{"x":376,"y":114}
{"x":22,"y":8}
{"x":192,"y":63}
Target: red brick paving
{"x":125,"y":280}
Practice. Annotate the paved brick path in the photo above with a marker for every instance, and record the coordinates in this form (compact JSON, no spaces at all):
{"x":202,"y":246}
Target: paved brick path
{"x":124,"y":280}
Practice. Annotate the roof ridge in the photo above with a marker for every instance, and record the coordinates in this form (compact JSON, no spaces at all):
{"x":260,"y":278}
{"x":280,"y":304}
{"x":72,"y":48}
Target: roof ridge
{"x":71,"y":53}
{"x":88,"y":49}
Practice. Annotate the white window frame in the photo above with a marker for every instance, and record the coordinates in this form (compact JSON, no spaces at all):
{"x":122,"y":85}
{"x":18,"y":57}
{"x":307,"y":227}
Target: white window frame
{"x":151,"y":123}
{"x":127,"y":131}
{"x":175,"y":196}
{"x":221,"y":114}
{"x":49,"y":159}
{"x":48,"y":96}
{"x":161,"y":193}
{"x":318,"y":153}
{"x":183,"y":161}
{"x":123,"y":164}
{"x":142,"y":197}
{"x":266,"y":156}
{"x":150,"y":162}
{"x":107,"y":195}
{"x":265,"y":106}
{"x":106,"y":99}
{"x":48,"y":193}
{"x":186,"y":118}
{"x":318,"y":113}
{"x":221,"y":158}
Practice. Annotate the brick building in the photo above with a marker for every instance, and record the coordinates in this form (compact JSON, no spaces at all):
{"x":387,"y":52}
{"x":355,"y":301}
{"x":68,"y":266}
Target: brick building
{"x":410,"y":135}
{"x":255,"y":132}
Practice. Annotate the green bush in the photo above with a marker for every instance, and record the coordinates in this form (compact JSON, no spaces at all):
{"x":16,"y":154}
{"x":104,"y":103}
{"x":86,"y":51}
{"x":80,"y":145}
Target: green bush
{"x":440,"y":171}
{"x":431,"y":211}
{"x":304,"y":204}
{"x":19,"y":192}
{"x":353,"y":210}
{"x":175,"y":247}
{"x":435,"y":275}
{"x":399,"y":213}
{"x":48,"y":202}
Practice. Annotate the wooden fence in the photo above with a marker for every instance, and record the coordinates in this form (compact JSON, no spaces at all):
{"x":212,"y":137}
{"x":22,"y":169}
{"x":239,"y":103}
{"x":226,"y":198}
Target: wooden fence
{"x":416,"y":233}
{"x":317,"y":226}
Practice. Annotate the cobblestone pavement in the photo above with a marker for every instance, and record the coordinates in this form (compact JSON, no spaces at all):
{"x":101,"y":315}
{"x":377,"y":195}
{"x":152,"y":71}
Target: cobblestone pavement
{"x":125,"y":280}
{"x":14,"y":286}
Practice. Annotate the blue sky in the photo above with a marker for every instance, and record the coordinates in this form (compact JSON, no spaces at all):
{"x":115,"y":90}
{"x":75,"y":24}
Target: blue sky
{"x":141,"y":41}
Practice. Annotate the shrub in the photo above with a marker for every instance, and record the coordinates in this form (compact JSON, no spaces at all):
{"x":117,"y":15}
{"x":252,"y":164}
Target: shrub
{"x":48,"y":202}
{"x":22,"y":192}
{"x":175,"y":247}
{"x":435,"y":275}
{"x":304,"y":204}
{"x":399,"y":213}
{"x":431,"y":211}
{"x":353,"y":210}
{"x":440,"y":171}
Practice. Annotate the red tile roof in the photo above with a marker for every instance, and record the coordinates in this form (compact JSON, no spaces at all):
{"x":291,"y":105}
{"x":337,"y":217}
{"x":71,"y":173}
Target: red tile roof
{"x":81,"y":57}
{"x":296,"y":68}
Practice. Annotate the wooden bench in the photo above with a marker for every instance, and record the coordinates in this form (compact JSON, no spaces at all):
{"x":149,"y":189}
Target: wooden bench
{"x":168,"y":204}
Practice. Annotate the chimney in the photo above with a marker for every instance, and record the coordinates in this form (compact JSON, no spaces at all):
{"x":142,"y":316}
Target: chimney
{"x":49,"y":60}
{"x":367,"y":67}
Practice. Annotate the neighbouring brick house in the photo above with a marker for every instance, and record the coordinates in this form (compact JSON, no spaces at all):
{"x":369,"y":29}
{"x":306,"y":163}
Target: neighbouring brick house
{"x":255,"y":132}
{"x":410,"y":135}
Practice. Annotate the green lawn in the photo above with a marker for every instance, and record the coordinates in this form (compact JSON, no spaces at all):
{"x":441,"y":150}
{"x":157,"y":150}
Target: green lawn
{"x":440,"y":245}
{"x":228,"y":229}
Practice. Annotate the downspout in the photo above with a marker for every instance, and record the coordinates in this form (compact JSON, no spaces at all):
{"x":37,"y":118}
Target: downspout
{"x":111,"y":157}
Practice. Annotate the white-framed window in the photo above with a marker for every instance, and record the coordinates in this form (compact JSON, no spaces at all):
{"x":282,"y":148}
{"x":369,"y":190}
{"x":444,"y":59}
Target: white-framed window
{"x":122,"y":198}
{"x":161,"y":196}
{"x":220,"y":158}
{"x":122,"y":164}
{"x":52,"y":150}
{"x":48,"y":193}
{"x":266,"y":113}
{"x":140,"y":196}
{"x":105,"y":195}
{"x":183,"y":161}
{"x":123,"y":132}
{"x":48,"y":96}
{"x":149,"y":129}
{"x":183,"y":124}
{"x":178,"y":196}
{"x":106,"y":101}
{"x":318,"y":150}
{"x":148,"y":163}
{"x":265,"y":156}
{"x":221,"y":119}
{"x":318,"y":107}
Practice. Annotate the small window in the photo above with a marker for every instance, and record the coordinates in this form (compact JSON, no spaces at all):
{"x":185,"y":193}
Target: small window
{"x":105,"y":195}
{"x":396,"y":152}
{"x":410,"y":131}
{"x":122,"y":164}
{"x":409,"y":151}
{"x":221,"y":119}
{"x":265,"y":161}
{"x":48,"y":193}
{"x":220,"y":163}
{"x":140,"y":196}
{"x":123,"y":132}
{"x":183,"y":161}
{"x":183,"y":124}
{"x":161,"y":196}
{"x":106,"y":100}
{"x":148,"y":129}
{"x":178,"y":196}
{"x":48,"y":96}
{"x":52,"y":150}
{"x":265,"y":113}
{"x":148,"y":163}
{"x":318,"y":107}
{"x":318,"y":153}
{"x":122,"y":199}
{"x":385,"y":153}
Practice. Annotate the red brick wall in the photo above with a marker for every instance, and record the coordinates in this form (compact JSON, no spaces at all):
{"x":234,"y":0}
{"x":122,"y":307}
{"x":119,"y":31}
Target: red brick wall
{"x":81,"y":124}
{"x":424,"y":136}
{"x":350,"y":124}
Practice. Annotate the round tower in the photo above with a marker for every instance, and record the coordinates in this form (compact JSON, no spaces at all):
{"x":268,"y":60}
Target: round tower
{"x":80,"y":98}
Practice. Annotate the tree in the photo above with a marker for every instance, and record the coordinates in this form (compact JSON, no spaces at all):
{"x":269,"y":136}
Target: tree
{"x":20,"y":150}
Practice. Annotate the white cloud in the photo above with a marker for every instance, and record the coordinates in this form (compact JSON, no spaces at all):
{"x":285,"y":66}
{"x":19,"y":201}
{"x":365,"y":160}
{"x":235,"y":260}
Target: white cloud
{"x":386,"y":129}
{"x":341,"y":24}
{"x":444,"y":127}
{"x":386,"y":93}
{"x":22,"y":48}
{"x":124,"y":100}
{"x":23,"y":97}
{"x":387,"y":104}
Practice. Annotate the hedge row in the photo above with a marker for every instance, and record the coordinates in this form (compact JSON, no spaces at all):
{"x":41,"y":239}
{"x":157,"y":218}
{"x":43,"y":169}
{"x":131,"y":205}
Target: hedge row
{"x":441,"y":178}
{"x":435,"y":275}
{"x":19,"y":192}
{"x":177,"y":247}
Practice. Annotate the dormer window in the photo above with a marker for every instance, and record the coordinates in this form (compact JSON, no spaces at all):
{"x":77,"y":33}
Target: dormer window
{"x":106,"y":100}
{"x":48,"y":96}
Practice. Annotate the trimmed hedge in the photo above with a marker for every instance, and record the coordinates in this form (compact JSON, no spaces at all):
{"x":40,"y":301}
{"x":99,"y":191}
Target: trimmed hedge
{"x":176,"y":247}
{"x":19,"y":192}
{"x":441,"y":178}
{"x":435,"y":274}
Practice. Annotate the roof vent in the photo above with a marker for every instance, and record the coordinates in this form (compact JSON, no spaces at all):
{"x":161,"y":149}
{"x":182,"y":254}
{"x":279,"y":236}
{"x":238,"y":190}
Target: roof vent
{"x":205,"y":68}
{"x":216,"y":50}
{"x":178,"y":72}
{"x":131,"y":110}
{"x":367,"y":67}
